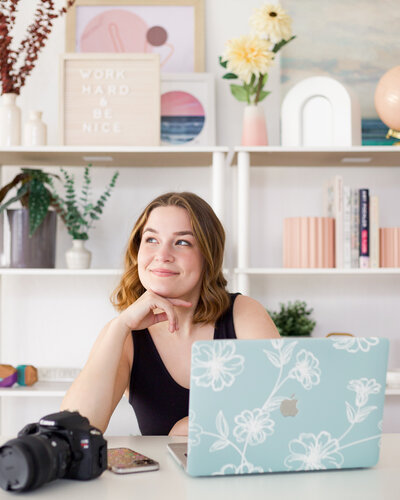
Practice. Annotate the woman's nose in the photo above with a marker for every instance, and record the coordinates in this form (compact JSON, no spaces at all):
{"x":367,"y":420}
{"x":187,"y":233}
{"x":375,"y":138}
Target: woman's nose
{"x":164,"y":254}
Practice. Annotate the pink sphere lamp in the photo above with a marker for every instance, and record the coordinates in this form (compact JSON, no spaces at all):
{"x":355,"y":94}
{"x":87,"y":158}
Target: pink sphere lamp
{"x":387,"y":101}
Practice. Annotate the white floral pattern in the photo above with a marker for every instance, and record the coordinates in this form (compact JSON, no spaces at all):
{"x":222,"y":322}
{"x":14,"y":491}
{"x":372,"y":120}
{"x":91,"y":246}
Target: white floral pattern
{"x":311,"y":452}
{"x":216,"y":365}
{"x":244,"y":432}
{"x":306,"y":370}
{"x":353,"y":344}
{"x":253,"y":426}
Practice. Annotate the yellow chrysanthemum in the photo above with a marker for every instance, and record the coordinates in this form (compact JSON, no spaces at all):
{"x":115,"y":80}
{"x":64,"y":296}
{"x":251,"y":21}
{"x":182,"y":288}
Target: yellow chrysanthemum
{"x":247,"y":55}
{"x":272,"y":22}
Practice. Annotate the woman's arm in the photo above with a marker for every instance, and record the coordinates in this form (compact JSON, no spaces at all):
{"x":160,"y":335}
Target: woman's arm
{"x":251,"y":320}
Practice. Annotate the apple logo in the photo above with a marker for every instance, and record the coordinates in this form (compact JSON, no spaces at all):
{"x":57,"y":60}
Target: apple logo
{"x":288,"y":407}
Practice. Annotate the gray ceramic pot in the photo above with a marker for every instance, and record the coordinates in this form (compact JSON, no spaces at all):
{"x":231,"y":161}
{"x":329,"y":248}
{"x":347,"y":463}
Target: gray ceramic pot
{"x":37,"y":251}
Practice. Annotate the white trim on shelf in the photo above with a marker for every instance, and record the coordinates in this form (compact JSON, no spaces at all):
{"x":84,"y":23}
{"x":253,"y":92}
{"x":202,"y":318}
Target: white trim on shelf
{"x":320,"y":271}
{"x":59,"y":272}
{"x":40,"y":389}
{"x":392,"y":391}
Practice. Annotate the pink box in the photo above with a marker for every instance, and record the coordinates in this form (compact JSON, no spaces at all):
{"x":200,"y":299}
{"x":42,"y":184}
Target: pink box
{"x":389,"y":242}
{"x":309,"y":242}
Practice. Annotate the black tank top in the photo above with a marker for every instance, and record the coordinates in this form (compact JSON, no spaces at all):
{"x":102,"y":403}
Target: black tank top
{"x":158,"y":401}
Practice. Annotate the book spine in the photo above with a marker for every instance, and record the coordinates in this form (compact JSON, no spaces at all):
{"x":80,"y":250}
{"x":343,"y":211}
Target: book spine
{"x":355,"y":228}
{"x":364,"y":228}
{"x":338,"y":204}
{"x":374,"y":231}
{"x":347,"y":227}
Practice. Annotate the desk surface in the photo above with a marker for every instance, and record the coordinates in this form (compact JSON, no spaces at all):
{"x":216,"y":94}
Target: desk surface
{"x":171,"y":483}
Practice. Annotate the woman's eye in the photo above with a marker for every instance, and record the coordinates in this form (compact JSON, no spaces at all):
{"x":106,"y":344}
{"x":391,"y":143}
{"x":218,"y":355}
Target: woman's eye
{"x":150,"y":239}
{"x":183,"y":243}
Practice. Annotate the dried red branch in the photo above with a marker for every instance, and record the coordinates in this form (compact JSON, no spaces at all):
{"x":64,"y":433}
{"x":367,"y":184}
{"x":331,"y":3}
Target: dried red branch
{"x":12,"y":74}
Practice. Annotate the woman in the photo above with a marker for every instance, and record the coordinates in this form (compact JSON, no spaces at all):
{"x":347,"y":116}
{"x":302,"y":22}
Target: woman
{"x":171,"y":294}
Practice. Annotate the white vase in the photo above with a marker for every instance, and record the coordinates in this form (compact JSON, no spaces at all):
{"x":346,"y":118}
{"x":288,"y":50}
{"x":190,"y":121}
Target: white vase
{"x":78,"y":257}
{"x":254,"y":128}
{"x":10,"y":121}
{"x":35,"y":131}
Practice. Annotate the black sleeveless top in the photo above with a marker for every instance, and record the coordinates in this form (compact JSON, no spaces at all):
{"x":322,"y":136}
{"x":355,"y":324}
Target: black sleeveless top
{"x":158,"y":401}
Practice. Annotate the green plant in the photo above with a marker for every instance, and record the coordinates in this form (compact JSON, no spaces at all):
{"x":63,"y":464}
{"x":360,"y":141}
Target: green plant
{"x":80,"y":214}
{"x":293,"y":319}
{"x":33,"y":193}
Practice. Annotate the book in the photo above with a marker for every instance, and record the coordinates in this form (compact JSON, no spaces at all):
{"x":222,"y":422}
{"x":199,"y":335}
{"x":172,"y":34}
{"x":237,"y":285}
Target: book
{"x":333,"y":207}
{"x":346,"y":226}
{"x":364,"y":228}
{"x":374,"y":231}
{"x":355,"y":228}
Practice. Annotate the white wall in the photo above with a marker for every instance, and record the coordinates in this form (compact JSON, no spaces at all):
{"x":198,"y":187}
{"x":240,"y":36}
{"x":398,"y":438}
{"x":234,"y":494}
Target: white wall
{"x":68,"y":312}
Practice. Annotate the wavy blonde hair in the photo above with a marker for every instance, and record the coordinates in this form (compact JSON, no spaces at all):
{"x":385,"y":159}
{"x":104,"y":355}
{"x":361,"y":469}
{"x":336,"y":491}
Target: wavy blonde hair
{"x":210,"y":236}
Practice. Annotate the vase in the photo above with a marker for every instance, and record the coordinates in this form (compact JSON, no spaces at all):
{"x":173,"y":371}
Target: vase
{"x":36,"y":251}
{"x":10,"y":121}
{"x":78,"y":257}
{"x":35,"y":131}
{"x":254,"y":131}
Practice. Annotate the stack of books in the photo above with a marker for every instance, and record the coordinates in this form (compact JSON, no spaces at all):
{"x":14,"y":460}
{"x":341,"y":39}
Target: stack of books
{"x":356,"y":215}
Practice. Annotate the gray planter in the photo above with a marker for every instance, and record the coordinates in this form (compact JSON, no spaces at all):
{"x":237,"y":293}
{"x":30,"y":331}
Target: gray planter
{"x":39,"y":251}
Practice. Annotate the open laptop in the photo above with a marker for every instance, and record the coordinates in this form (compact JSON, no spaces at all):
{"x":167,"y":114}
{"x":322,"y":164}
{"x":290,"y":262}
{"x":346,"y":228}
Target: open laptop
{"x":284,"y":405}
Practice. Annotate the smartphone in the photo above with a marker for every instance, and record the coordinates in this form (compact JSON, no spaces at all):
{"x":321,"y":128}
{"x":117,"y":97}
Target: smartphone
{"x":125,"y":460}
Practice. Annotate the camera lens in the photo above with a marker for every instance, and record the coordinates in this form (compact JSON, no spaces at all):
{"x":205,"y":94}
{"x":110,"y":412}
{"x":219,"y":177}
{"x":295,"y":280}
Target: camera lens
{"x":30,"y":461}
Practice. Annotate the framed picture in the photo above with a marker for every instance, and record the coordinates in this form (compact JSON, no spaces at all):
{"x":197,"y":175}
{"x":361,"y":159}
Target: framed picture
{"x":110,"y":100}
{"x":187,"y":109}
{"x":173,"y":29}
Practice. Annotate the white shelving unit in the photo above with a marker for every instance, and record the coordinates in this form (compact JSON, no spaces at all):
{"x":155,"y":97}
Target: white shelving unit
{"x":214,"y":158}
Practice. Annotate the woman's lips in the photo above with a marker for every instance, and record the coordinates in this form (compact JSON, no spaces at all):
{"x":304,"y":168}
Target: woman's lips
{"x":163,"y":273}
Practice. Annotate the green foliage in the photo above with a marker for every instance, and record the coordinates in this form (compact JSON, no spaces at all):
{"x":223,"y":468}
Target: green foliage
{"x":33,"y":192}
{"x":80,"y":213}
{"x":293,"y":319}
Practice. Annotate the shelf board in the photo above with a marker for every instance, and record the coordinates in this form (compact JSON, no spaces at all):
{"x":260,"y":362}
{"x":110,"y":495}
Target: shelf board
{"x":355,"y":156}
{"x":40,"y":389}
{"x":392,"y":391}
{"x":317,"y":271}
{"x":59,"y":272}
{"x":108,"y":156}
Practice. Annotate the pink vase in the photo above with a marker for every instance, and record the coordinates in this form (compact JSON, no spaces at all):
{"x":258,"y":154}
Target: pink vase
{"x":254,"y":127}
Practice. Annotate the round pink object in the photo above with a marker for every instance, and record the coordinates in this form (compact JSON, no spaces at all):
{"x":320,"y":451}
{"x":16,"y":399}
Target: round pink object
{"x":387,"y":98}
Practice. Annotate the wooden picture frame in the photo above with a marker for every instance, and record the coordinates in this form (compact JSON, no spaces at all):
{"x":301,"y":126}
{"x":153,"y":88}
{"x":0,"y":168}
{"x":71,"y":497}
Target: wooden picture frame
{"x":172,"y":28}
{"x":109,"y":100}
{"x":188,"y":109}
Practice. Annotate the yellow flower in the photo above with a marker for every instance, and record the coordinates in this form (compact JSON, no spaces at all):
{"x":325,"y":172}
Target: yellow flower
{"x":248,"y":55}
{"x":272,"y":22}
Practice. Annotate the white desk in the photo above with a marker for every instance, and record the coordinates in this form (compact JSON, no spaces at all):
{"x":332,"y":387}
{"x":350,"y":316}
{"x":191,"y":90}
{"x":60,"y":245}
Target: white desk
{"x":170,"y":482}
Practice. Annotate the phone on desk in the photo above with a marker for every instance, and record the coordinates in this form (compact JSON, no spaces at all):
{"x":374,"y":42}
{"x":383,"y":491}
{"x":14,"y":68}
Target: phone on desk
{"x":125,"y":460}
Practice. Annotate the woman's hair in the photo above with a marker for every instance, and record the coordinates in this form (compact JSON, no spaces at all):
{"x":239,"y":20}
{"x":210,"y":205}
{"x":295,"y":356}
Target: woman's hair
{"x":210,"y":236}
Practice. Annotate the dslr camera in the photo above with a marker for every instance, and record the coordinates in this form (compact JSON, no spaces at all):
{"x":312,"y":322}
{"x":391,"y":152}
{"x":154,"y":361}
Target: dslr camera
{"x":60,"y":445}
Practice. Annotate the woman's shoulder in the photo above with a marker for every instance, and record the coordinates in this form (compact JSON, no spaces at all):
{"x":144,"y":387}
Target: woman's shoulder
{"x":252,"y":320}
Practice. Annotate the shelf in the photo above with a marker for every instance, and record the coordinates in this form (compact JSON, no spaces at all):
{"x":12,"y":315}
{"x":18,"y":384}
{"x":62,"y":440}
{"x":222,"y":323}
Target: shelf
{"x":356,"y":156}
{"x":318,"y":271}
{"x":59,"y":272}
{"x":391,"y":391}
{"x":40,"y":389}
{"x":107,"y":156}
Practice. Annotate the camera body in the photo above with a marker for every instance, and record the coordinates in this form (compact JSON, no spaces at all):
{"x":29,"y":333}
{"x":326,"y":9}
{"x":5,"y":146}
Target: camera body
{"x":60,"y":445}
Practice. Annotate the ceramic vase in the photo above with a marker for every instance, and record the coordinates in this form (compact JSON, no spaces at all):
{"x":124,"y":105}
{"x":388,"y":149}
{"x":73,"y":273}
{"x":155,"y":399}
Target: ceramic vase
{"x":254,"y":131}
{"x":35,"y":131}
{"x":78,"y":257}
{"x":10,"y":121}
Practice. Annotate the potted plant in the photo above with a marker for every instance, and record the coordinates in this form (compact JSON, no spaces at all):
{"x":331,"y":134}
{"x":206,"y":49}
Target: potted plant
{"x":79,"y":215}
{"x":293,"y":319}
{"x":32,"y":227}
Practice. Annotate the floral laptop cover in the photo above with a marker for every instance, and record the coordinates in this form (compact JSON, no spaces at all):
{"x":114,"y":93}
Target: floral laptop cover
{"x":285,"y":405}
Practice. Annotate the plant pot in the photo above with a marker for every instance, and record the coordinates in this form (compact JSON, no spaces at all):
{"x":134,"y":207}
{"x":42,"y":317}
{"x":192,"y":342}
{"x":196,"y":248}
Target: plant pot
{"x":78,"y":257}
{"x":254,"y":131}
{"x":37,"y":251}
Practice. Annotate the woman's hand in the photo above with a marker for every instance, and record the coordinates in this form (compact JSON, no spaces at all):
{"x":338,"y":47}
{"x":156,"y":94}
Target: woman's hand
{"x":141,"y":314}
{"x":181,"y":428}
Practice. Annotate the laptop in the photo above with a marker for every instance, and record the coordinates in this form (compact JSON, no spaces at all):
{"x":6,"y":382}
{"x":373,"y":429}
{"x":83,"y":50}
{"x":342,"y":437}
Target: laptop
{"x":278,"y":405}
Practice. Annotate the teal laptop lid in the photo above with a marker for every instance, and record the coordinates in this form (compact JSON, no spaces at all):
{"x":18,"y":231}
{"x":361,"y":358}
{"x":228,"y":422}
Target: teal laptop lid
{"x":285,"y":405}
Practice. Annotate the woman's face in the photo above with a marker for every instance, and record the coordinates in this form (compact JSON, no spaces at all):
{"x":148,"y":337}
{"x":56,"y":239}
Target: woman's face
{"x":169,"y":259}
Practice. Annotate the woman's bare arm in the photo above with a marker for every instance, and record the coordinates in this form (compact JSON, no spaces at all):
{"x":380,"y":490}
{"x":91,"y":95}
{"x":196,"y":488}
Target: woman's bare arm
{"x":251,"y":320}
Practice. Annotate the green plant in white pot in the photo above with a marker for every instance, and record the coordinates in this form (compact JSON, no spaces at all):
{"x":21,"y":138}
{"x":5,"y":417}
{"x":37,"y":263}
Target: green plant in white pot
{"x":33,"y":226}
{"x":80,"y":214}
